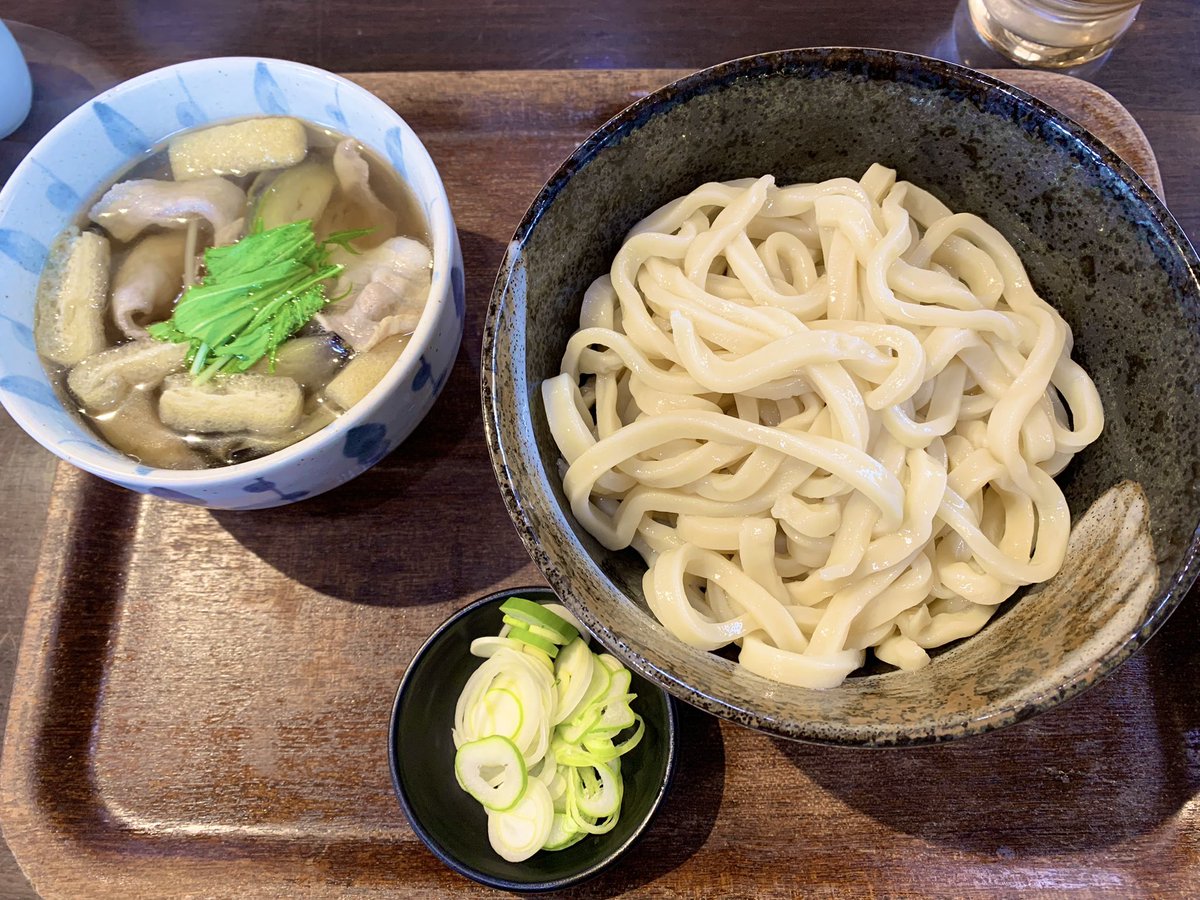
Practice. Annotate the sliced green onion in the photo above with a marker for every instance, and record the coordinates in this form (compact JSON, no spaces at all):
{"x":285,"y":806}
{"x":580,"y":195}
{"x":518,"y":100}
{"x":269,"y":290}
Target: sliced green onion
{"x":573,"y":676}
{"x":535,"y":614}
{"x":547,"y":769}
{"x":505,"y":711}
{"x":617,"y":715}
{"x":597,"y":688}
{"x":520,"y":832}
{"x":540,"y":728}
{"x":535,"y":653}
{"x":567,"y":616}
{"x":598,"y":792}
{"x":492,"y":771}
{"x":605,"y":750}
{"x":525,"y":636}
{"x":610,"y":662}
{"x":547,"y":634}
{"x":487,"y":646}
{"x":564,"y":833}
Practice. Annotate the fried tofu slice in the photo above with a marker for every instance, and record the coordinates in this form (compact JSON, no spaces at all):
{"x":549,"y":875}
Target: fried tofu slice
{"x":265,"y":404}
{"x":252,"y":145}
{"x":364,"y":371}
{"x":105,"y":379}
{"x":72,"y":298}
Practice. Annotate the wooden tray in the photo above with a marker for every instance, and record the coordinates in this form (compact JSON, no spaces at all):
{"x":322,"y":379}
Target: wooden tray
{"x":202,"y":698}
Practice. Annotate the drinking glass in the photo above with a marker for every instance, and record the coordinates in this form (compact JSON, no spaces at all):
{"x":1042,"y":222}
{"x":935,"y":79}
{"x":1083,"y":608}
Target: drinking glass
{"x":1052,"y":33}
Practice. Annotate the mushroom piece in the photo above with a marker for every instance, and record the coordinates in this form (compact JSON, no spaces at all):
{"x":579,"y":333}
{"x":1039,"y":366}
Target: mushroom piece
{"x":310,"y":360}
{"x":250,"y":445}
{"x":132,"y":206}
{"x":134,"y":427}
{"x":301,"y":192}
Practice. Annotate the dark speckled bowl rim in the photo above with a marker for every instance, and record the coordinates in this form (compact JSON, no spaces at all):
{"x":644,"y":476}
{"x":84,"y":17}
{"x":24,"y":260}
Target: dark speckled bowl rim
{"x":919,"y":70}
{"x":670,"y":726}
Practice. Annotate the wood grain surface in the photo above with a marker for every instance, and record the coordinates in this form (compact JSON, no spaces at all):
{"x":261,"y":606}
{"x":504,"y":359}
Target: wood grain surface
{"x":1153,"y":72}
{"x":201,"y":700}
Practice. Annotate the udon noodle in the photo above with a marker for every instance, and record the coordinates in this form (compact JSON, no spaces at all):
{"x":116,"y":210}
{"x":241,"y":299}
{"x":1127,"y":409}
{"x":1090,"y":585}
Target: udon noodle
{"x":828,"y":417}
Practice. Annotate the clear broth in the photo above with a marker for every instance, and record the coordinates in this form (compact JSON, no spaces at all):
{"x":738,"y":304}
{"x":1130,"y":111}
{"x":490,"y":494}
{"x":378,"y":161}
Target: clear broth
{"x":152,"y":442}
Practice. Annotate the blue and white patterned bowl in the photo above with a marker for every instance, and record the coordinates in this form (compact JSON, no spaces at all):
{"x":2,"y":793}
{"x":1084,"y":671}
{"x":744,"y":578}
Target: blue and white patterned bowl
{"x":93,"y":144}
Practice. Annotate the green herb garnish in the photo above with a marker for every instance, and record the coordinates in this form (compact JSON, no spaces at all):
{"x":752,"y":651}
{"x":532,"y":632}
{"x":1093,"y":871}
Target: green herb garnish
{"x":255,"y":294}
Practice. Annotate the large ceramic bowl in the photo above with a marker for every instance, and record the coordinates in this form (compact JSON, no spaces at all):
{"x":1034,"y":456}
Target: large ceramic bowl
{"x":1096,"y":242}
{"x":88,"y":148}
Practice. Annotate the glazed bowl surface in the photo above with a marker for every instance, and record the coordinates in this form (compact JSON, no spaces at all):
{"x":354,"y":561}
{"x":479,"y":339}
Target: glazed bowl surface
{"x":84,"y":152}
{"x":1097,"y":244}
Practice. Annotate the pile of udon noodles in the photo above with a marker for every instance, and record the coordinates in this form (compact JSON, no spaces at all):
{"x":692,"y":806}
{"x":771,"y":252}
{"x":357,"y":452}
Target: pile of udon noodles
{"x":827,"y":416}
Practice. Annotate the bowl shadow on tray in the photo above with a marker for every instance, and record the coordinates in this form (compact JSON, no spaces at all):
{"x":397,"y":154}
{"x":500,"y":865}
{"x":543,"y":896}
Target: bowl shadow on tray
{"x":1090,"y":774}
{"x":386,"y":537}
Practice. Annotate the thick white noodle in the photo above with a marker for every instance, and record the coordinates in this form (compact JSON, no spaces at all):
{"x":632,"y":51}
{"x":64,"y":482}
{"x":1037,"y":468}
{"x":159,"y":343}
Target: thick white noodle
{"x":828,"y":417}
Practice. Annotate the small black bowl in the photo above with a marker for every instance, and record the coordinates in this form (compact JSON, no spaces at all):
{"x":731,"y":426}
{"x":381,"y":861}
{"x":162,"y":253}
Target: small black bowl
{"x":450,"y":822}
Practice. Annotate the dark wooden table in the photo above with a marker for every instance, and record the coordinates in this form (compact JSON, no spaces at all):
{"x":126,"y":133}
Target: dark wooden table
{"x":1155,"y":73}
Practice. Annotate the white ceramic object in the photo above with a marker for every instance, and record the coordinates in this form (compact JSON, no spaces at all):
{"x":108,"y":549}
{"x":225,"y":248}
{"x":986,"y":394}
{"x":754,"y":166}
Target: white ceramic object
{"x":99,"y":140}
{"x":16,"y":93}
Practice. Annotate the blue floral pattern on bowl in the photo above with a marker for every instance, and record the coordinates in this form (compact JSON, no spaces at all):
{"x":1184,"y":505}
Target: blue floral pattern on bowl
{"x":366,"y":443}
{"x":261,"y":485}
{"x":126,"y":137}
{"x":22,"y":249}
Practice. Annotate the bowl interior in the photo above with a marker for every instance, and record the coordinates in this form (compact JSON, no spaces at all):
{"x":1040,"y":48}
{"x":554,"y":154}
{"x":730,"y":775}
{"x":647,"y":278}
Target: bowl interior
{"x":452,"y":823}
{"x":1096,"y":243}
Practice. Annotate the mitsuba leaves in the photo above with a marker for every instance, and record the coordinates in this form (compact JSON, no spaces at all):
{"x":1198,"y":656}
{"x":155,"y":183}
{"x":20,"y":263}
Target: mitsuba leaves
{"x":254,"y":295}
